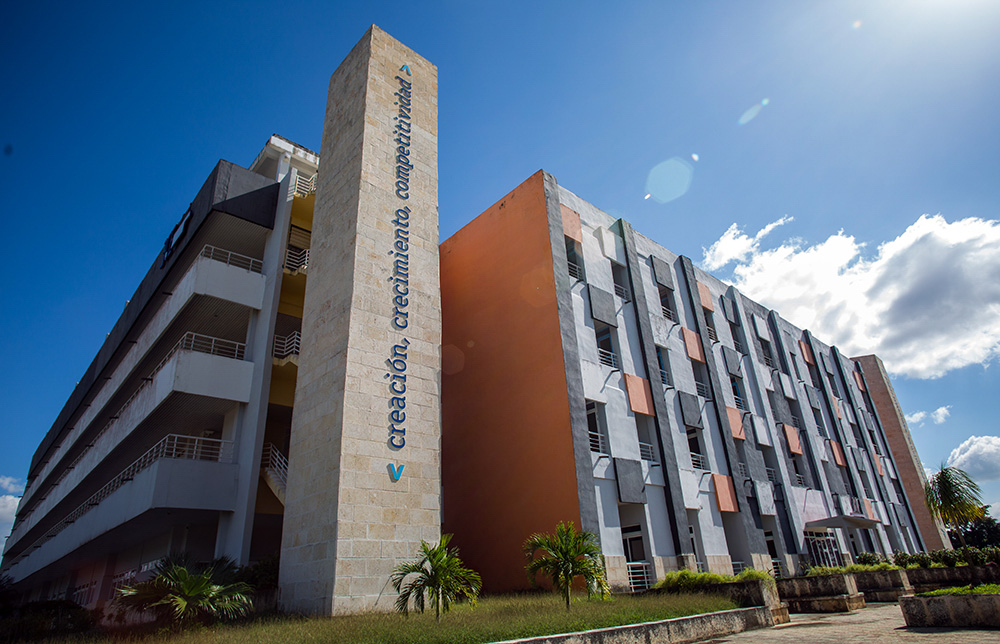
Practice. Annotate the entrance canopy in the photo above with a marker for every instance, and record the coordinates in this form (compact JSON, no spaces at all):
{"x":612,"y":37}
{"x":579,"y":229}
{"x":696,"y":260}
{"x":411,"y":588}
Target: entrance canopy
{"x":842,"y":521}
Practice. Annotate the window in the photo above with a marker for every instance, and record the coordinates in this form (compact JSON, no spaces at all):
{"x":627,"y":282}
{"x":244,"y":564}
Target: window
{"x":818,"y":415}
{"x":632,"y":541}
{"x":734,"y":330}
{"x":667,"y":303}
{"x":664,"y":363}
{"x":597,"y":429}
{"x":698,"y":459}
{"x":574,"y":260}
{"x":619,"y":274}
{"x":710,"y":326}
{"x":605,"y":345}
{"x":738,"y":398}
{"x":767,"y":354}
{"x":701,"y":379}
{"x":647,"y":441}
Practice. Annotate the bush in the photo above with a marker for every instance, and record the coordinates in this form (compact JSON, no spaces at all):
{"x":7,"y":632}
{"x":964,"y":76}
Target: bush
{"x":871,"y":559}
{"x":680,"y":581}
{"x":752,"y":574}
{"x":983,"y":589}
{"x":901,"y":559}
{"x":45,"y":619}
{"x":920,"y":560}
{"x":972,"y":556}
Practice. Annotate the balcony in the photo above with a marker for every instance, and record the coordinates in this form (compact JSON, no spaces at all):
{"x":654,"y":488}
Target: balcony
{"x":296,"y":260}
{"x":668,"y":313}
{"x":640,"y":576}
{"x":777,"y":568}
{"x":740,"y":403}
{"x":576,"y":271}
{"x":741,"y":470}
{"x":274,"y":469}
{"x":712,"y":335}
{"x":287,"y":346}
{"x":599,"y":443}
{"x":665,"y":378}
{"x":738,"y":567}
{"x":700,"y":462}
{"x":304,"y":186}
{"x":703,"y":390}
{"x":647,"y":452}
{"x":769,"y":361}
{"x":738,"y":346}
{"x":800,"y":481}
{"x":797,"y":422}
{"x":622,"y":292}
{"x":772,"y":475}
{"x":173,"y":447}
{"x":607,"y":358}
{"x":230,"y":258}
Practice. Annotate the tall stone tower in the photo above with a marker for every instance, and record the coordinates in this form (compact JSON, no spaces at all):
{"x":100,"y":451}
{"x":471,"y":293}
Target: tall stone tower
{"x":364,"y":483}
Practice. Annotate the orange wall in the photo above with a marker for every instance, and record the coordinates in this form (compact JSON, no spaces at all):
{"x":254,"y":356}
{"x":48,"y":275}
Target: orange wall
{"x":507,"y":455}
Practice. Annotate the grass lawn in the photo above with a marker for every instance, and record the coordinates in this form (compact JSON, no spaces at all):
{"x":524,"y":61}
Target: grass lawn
{"x":494,"y":619}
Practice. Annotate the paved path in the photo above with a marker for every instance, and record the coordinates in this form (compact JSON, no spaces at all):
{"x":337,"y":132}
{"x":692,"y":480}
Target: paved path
{"x":878,"y":623}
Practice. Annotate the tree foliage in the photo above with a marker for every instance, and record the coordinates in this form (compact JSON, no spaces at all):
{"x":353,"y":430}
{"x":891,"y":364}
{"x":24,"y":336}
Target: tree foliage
{"x":182,"y":595}
{"x":981,"y":532}
{"x":438,"y":575}
{"x":563,"y":557}
{"x":954,"y":497}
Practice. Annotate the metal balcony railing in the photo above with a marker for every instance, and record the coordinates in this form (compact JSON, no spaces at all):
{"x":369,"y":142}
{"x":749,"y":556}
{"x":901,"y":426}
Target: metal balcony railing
{"x":769,"y":361}
{"x":741,"y":470}
{"x":230,"y":258}
{"x":772,"y":476}
{"x":304,"y":186}
{"x":665,"y":378}
{"x":576,"y":271}
{"x":599,"y":443}
{"x":699,"y":462}
{"x":640,"y":576}
{"x":777,"y":568}
{"x":288,"y":345}
{"x":297,"y":260}
{"x":669,"y":313}
{"x":701,"y":566}
{"x":170,"y":446}
{"x":702,"y":389}
{"x":189,"y":342}
{"x":712,"y":335}
{"x":622,"y":292}
{"x":738,"y":567}
{"x":797,"y":422}
{"x":607,"y":358}
{"x":800,"y":481}
{"x":853,"y":505}
{"x":647,"y":452}
{"x":738,"y":345}
{"x":740,"y":403}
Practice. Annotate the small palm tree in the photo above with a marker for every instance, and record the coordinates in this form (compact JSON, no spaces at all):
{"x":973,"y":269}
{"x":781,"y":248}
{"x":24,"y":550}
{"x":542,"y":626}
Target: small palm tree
{"x":439,"y":575}
{"x":954,"y":497}
{"x":182,"y":596}
{"x":566,"y":555}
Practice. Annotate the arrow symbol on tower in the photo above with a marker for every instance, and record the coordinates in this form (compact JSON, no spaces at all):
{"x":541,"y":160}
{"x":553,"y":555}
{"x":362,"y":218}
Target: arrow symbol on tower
{"x":406,"y":68}
{"x":395,"y":471}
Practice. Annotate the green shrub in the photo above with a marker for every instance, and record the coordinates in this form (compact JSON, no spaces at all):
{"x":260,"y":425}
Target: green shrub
{"x":984,"y":589}
{"x":752,"y":574}
{"x":972,"y":556}
{"x":921,"y":559}
{"x":901,"y":559}
{"x":871,"y":559}
{"x":680,"y":581}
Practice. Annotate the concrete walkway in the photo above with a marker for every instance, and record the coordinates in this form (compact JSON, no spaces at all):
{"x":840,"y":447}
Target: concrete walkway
{"x":878,"y":624}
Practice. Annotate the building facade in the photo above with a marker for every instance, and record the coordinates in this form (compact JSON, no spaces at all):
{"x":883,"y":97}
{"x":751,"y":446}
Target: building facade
{"x":591,"y":375}
{"x":272,"y":387}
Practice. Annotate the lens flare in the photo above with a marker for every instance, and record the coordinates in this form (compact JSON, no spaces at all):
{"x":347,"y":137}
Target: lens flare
{"x":647,"y":196}
{"x":694,"y":157}
{"x":856,"y":24}
{"x":752,"y":113}
{"x":669,"y":180}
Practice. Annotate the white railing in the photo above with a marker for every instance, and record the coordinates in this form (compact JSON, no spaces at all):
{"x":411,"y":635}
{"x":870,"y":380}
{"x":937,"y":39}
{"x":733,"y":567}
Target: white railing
{"x":230,"y":258}
{"x":769,"y":361}
{"x":665,"y":378}
{"x":190,"y":341}
{"x":777,"y":568}
{"x":772,"y":476}
{"x":668,"y":313}
{"x":275,"y":463}
{"x":305,"y":186}
{"x":575,"y":271}
{"x":607,"y":358}
{"x":621,"y":292}
{"x":599,"y":443}
{"x":170,"y":446}
{"x":297,"y":260}
{"x":712,"y":335}
{"x":646,"y":452}
{"x":797,"y":422}
{"x":288,"y":345}
{"x":800,"y":480}
{"x":740,"y":403}
{"x":701,"y":566}
{"x":699,"y":462}
{"x":738,"y":567}
{"x":702,"y":389}
{"x":738,"y":345}
{"x":640,"y":576}
{"x":853,"y":505}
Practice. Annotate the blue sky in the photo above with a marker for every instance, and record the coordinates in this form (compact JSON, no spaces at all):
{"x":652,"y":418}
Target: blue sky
{"x":822,"y":133}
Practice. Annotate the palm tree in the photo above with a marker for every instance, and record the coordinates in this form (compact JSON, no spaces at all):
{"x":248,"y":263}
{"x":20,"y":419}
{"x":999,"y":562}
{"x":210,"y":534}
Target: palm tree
{"x":184,"y":596}
{"x":439,"y":574}
{"x":954,"y":497}
{"x":564,"y":556}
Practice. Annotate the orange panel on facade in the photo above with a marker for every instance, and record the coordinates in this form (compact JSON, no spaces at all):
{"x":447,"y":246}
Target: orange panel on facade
{"x":878,"y":466}
{"x":792,"y":436}
{"x":692,"y":342}
{"x":706,"y":297}
{"x":725,"y":493}
{"x":870,"y":511}
{"x":858,"y":379}
{"x":571,"y":223}
{"x":640,"y":397}
{"x":736,"y":423}
{"x":807,"y":353}
{"x":838,"y":454}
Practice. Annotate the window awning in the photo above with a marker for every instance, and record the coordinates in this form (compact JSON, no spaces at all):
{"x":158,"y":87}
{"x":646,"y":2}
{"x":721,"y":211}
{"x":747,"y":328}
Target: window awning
{"x":842,"y":521}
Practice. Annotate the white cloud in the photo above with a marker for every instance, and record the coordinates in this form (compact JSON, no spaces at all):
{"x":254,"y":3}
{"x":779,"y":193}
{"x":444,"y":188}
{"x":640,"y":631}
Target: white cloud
{"x":734,"y":245}
{"x":11,"y":485}
{"x":979,"y":456}
{"x":941,"y":414}
{"x":937,"y":416}
{"x":927,"y":302}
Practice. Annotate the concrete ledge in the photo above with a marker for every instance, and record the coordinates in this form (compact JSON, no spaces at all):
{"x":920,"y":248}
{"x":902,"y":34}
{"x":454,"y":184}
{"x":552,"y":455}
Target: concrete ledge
{"x":883,"y":585}
{"x":982,"y":611}
{"x":924,"y":579}
{"x":669,"y":631}
{"x":827,"y":604}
